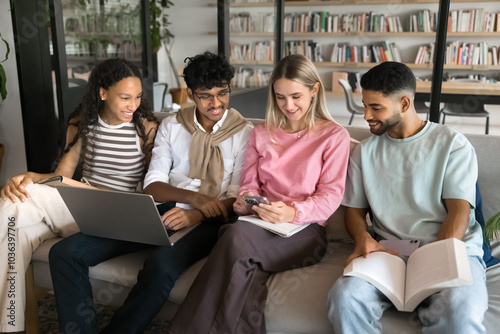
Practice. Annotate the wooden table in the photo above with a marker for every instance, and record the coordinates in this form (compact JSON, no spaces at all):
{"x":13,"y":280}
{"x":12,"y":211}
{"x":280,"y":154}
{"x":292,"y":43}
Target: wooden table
{"x":488,"y":93}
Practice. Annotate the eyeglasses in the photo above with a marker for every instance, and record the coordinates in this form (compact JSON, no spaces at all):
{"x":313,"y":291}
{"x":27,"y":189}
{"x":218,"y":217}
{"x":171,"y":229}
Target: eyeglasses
{"x":222,"y":96}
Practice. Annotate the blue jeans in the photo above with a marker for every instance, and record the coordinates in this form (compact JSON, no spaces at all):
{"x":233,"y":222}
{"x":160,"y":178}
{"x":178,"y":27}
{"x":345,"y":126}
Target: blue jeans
{"x":356,"y":306}
{"x":69,"y":266}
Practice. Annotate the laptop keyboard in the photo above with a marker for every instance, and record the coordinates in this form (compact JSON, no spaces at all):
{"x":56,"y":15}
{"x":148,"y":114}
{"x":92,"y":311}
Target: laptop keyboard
{"x":171,"y":232}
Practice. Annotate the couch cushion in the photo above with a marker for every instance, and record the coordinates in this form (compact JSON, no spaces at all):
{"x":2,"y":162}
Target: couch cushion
{"x":297,"y":298}
{"x":335,"y":228}
{"x":493,"y":284}
{"x":489,"y":174}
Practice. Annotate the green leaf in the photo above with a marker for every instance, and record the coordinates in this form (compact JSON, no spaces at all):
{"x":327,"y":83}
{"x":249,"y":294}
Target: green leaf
{"x":3,"y":83}
{"x":492,"y":228}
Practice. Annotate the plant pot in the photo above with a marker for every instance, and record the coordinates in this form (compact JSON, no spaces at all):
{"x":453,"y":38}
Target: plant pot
{"x":179,"y":95}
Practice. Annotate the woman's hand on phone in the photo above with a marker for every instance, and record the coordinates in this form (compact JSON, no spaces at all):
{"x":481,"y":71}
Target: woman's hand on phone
{"x":276,"y":212}
{"x":240,"y":206}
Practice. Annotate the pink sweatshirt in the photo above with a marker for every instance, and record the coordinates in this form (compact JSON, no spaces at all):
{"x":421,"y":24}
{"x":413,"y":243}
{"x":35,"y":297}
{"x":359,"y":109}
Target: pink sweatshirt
{"x":307,"y":173}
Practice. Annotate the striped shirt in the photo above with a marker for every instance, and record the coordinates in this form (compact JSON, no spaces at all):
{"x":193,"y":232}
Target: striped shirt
{"x":118,"y":161}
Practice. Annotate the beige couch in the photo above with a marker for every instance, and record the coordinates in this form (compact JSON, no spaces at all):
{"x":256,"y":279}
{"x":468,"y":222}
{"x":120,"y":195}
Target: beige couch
{"x":297,"y":300}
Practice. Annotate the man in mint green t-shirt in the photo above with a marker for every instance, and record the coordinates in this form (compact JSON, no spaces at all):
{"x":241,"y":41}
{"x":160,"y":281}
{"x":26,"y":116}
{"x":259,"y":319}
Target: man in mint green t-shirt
{"x":418,"y":179}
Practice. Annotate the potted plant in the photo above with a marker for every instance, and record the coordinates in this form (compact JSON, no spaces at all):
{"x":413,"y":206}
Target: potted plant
{"x":159,"y":22}
{"x":492,"y":228}
{"x":161,"y":34}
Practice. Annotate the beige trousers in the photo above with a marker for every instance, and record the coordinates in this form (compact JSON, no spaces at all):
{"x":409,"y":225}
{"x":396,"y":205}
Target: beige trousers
{"x":23,"y":227}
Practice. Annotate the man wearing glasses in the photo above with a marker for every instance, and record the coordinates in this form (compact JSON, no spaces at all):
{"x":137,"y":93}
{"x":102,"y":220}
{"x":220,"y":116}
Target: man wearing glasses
{"x":195,"y":171}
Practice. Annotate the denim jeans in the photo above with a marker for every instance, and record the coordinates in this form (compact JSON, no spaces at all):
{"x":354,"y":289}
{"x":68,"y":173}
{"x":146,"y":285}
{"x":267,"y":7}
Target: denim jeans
{"x":69,"y":265}
{"x":356,"y":306}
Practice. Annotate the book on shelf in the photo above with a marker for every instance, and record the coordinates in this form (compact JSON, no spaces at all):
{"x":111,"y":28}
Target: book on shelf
{"x":59,"y":180}
{"x":462,"y":53}
{"x":322,"y":21}
{"x":308,"y":48}
{"x":249,"y":77}
{"x":282,"y":229}
{"x":429,"y":269}
{"x":425,"y":54}
{"x":473,"y":20}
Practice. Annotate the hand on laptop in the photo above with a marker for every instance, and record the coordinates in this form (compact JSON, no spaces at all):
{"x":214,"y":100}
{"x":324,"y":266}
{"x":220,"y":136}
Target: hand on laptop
{"x":178,"y":218}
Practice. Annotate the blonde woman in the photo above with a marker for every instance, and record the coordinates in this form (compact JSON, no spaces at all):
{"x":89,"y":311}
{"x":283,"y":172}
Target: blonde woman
{"x":298,"y":160}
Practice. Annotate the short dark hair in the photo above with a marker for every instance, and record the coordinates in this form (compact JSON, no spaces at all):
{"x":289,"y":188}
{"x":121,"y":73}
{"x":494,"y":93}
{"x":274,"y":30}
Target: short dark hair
{"x":388,"y":78}
{"x":207,"y":70}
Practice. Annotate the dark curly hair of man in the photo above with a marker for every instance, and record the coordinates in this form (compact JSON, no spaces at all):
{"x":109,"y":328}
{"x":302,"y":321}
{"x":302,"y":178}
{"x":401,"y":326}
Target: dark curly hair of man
{"x":207,"y":70}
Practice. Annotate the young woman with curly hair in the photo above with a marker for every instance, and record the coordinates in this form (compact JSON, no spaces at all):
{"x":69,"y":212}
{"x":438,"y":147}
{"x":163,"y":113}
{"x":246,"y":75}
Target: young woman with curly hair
{"x":111,"y":136}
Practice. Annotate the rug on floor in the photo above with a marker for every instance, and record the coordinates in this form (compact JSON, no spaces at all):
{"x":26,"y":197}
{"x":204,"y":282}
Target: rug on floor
{"x":47,"y":315}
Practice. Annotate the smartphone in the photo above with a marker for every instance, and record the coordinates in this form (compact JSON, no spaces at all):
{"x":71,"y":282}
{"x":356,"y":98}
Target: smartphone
{"x":255,"y":200}
{"x":403,"y":247}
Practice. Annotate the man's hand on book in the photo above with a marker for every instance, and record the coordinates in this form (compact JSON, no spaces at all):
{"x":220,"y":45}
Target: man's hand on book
{"x":15,"y":188}
{"x":365,"y":245}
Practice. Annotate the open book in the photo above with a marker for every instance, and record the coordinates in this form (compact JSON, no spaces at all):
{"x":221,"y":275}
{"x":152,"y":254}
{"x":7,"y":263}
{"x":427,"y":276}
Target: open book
{"x":430,"y":268}
{"x":59,"y":180}
{"x":282,"y":229}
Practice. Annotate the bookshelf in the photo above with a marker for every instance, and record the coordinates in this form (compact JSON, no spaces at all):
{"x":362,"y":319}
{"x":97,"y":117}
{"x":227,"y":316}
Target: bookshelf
{"x":250,"y":41}
{"x":311,"y":32}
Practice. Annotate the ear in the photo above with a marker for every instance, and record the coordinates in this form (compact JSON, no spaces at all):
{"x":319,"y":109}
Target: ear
{"x":315,"y":89}
{"x":102,"y":93}
{"x":190,"y":93}
{"x":405,"y":103}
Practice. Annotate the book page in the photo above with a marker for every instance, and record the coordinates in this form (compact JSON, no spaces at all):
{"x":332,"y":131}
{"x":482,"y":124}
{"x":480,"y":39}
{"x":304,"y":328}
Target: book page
{"x":385,"y":271}
{"x":282,"y":229}
{"x":436,"y":266}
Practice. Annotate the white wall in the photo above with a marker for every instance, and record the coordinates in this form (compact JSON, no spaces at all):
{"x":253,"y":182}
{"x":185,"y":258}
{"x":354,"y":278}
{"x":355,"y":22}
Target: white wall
{"x":11,"y":127}
{"x":192,"y":20}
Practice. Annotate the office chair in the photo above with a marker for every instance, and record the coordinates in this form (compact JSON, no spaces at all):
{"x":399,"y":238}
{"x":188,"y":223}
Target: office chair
{"x":159,"y":92}
{"x":470,"y":107}
{"x":354,"y":109}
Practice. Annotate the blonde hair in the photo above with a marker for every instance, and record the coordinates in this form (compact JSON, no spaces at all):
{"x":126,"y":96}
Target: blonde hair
{"x":301,"y":70}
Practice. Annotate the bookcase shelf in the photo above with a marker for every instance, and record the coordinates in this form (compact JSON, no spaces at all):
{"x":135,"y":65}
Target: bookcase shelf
{"x":318,"y":3}
{"x":410,"y":41}
{"x":252,"y":34}
{"x":351,"y":65}
{"x":360,"y":34}
{"x":252,"y":62}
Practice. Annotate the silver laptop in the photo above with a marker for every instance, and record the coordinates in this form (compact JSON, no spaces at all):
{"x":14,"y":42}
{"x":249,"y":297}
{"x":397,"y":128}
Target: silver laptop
{"x":119,"y":215}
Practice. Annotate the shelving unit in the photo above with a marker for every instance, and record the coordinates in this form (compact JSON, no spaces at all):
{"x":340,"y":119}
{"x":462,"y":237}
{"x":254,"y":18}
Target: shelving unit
{"x":408,"y":42}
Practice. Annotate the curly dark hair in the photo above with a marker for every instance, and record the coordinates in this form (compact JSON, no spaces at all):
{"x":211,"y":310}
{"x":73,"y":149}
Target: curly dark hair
{"x":105,"y":75}
{"x":388,"y":78}
{"x":207,"y":70}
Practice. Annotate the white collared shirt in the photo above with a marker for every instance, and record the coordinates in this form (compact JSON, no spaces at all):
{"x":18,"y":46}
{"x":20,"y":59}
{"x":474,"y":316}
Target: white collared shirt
{"x":170,"y":159}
